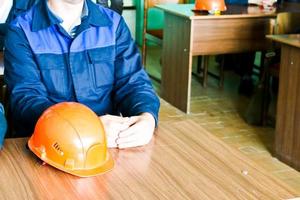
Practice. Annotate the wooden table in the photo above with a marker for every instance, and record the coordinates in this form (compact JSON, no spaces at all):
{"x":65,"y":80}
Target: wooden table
{"x":188,"y":34}
{"x":183,"y":161}
{"x":287,"y":138}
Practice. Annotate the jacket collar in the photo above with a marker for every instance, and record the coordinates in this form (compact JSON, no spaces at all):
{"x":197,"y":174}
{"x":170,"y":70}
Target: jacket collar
{"x":44,"y":18}
{"x":97,"y":17}
{"x":24,"y":4}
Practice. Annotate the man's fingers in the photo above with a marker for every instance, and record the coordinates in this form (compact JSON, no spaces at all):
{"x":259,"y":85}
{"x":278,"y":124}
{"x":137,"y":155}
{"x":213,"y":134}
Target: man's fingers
{"x":111,"y":144}
{"x":129,"y":144}
{"x":119,"y":127}
{"x":114,"y":118}
{"x":132,"y":137}
{"x":132,"y":120}
{"x":127,"y":139}
{"x":129,"y":132}
{"x":133,"y":142}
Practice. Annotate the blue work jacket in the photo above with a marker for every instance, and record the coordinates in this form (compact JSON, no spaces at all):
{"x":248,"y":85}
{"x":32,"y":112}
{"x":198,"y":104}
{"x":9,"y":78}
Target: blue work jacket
{"x":100,"y":68}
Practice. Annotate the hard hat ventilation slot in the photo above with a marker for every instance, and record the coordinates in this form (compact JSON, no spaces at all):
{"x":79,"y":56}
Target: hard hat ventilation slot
{"x":57,"y":148}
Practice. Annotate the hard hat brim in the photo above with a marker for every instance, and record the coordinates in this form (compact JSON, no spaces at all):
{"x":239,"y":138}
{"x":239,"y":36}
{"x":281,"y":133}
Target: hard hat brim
{"x":105,"y":167}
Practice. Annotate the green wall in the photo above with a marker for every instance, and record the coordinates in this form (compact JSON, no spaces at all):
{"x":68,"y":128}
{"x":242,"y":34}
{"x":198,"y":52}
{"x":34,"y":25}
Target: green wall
{"x":155,"y":19}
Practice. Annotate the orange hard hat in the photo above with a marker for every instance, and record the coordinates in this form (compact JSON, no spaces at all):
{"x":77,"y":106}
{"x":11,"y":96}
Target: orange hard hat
{"x":210,"y":5}
{"x":71,"y":137}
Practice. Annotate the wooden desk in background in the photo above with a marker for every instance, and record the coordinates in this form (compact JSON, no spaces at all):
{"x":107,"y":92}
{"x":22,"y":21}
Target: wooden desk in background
{"x":183,"y":161}
{"x":287,"y":138}
{"x":188,"y":34}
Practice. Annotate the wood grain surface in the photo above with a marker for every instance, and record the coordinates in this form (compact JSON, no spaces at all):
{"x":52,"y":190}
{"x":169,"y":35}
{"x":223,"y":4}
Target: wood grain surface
{"x":287,"y":141}
{"x":288,"y":39}
{"x":177,"y":61}
{"x":220,"y":36}
{"x":183,"y":161}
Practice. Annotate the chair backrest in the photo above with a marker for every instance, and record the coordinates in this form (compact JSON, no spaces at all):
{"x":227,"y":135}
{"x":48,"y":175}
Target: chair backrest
{"x":151,"y":3}
{"x":148,"y":4}
{"x":2,"y":84}
{"x":287,"y":23}
{"x":4,"y":99}
{"x":153,"y":31}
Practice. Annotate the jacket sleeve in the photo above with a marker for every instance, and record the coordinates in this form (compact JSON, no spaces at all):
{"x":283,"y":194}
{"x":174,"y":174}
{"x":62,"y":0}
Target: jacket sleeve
{"x":133,"y":91}
{"x":28,"y":95}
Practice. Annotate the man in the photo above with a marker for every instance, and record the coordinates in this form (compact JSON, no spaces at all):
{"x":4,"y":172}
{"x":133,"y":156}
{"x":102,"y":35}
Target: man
{"x":75,"y":50}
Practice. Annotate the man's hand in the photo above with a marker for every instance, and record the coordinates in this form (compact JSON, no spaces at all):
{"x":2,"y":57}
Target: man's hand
{"x":113,"y":125}
{"x":257,"y":2}
{"x":139,"y":133}
{"x":124,"y":132}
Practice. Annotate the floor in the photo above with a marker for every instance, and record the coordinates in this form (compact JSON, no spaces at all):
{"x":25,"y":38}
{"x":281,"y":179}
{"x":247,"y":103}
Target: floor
{"x":222,"y":112}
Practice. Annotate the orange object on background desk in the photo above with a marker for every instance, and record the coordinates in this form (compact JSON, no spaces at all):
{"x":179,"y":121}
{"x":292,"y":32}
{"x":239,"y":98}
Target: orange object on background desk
{"x":71,"y":137}
{"x":210,"y":5}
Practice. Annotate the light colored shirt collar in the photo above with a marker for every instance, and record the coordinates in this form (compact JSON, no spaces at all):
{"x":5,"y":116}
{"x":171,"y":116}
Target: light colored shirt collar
{"x":73,"y":28}
{"x":43,"y":17}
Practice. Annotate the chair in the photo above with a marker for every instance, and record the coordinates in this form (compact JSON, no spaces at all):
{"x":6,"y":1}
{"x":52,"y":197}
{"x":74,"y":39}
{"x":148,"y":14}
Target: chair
{"x":153,"y":35}
{"x":286,"y":23}
{"x":2,"y":84}
{"x":202,"y":69}
{"x":4,"y":99}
